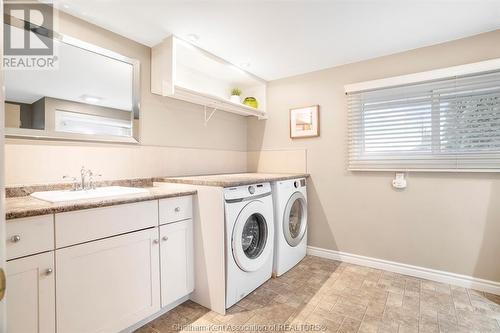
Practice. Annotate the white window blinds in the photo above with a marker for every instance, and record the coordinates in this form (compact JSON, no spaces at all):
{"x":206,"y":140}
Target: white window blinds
{"x":445,"y":124}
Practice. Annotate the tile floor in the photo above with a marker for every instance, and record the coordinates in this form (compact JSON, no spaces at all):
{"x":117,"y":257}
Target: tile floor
{"x":329,"y":296}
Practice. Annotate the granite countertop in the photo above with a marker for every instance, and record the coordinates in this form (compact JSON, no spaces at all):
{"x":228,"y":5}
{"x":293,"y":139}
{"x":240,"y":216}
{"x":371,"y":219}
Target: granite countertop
{"x":20,"y":204}
{"x":26,"y":206}
{"x":230,"y":180}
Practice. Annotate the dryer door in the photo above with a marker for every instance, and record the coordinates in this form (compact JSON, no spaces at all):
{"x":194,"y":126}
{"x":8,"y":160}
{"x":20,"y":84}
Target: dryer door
{"x":252,"y":237}
{"x":295,"y":219}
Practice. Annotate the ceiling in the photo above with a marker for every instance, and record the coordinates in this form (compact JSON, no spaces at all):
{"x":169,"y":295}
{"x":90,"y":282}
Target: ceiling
{"x":283,"y":38}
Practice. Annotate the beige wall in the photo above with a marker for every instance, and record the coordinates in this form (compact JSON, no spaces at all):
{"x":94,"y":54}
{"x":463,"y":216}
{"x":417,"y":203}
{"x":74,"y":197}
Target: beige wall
{"x":442,"y":221}
{"x":278,"y":161}
{"x":174,"y":139}
{"x":12,"y":115}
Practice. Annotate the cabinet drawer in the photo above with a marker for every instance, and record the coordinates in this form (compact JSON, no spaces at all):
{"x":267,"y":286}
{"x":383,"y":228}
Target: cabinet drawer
{"x":91,"y":224}
{"x":29,"y":235}
{"x":176,"y":209}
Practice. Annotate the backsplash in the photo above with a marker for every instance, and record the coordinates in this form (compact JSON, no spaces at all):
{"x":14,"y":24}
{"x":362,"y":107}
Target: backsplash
{"x":36,"y":163}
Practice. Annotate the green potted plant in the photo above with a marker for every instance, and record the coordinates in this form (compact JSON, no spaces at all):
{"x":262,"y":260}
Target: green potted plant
{"x":235,"y":95}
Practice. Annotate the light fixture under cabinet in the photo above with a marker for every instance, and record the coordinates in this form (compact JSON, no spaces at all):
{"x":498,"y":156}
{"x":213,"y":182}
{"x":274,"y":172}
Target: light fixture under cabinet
{"x":91,"y":99}
{"x":193,"y":38}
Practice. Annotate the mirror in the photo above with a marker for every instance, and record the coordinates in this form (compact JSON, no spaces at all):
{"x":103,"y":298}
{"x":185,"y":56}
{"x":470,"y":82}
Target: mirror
{"x":92,"y":94}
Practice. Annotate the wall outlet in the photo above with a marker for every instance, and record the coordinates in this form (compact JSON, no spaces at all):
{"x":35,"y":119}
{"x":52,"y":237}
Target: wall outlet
{"x":399,"y":181}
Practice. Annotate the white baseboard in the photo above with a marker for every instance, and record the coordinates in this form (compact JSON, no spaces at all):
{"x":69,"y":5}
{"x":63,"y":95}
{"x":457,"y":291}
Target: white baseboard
{"x":416,"y":271}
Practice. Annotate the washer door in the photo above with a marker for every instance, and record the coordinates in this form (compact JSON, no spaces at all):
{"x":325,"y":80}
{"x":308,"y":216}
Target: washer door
{"x":251,"y":237}
{"x":295,"y":219}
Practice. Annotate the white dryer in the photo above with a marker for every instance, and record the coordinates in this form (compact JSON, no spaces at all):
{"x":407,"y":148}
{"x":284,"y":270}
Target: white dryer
{"x":290,"y":211}
{"x":249,"y":239}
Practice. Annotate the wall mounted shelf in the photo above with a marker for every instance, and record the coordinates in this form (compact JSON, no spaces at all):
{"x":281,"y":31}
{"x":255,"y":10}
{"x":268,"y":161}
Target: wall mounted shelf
{"x":183,"y":71}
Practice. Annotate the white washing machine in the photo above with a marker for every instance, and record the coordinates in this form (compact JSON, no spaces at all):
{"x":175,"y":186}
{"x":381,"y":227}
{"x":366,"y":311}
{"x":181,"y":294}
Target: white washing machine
{"x":290,"y":211}
{"x":249,"y":239}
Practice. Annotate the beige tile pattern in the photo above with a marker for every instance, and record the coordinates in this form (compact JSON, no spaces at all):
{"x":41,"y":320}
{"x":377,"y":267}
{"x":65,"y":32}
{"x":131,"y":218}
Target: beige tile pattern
{"x":330,"y":296}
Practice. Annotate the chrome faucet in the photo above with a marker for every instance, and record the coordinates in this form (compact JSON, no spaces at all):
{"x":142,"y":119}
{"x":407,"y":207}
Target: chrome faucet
{"x":75,"y":182}
{"x":83,"y":174}
{"x":86,"y":180}
{"x":91,"y":183}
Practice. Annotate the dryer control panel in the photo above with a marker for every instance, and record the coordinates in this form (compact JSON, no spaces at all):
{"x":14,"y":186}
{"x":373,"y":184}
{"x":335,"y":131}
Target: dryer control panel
{"x":299,"y":183}
{"x":291,"y":184}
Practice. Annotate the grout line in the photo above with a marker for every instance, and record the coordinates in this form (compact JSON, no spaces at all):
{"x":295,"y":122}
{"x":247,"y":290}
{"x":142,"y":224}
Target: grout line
{"x":342,"y":323}
{"x":419,"y":305}
{"x":404,"y":295}
{"x":385,"y":304}
{"x":363,"y":318}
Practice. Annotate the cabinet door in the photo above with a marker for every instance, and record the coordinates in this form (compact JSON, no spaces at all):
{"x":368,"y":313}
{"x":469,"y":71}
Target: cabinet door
{"x":108,"y":285}
{"x":176,"y":254}
{"x":31,"y":294}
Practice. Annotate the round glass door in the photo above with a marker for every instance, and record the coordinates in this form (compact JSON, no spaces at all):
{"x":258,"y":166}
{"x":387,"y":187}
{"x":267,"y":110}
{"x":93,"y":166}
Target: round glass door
{"x":252,"y":232}
{"x":295,"y":219}
{"x":254,"y":236}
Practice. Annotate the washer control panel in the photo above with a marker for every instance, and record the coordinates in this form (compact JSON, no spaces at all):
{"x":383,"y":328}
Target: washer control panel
{"x":247,"y":191}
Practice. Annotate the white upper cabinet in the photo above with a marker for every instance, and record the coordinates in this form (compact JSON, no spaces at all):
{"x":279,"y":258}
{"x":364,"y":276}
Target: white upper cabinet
{"x":186,"y":72}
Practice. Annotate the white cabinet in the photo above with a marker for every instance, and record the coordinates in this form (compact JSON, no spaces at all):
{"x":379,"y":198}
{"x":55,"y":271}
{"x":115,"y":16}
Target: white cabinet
{"x":176,"y":255}
{"x":108,"y":285}
{"x":30,"y":294}
{"x":184,"y":71}
{"x":105,"y":267}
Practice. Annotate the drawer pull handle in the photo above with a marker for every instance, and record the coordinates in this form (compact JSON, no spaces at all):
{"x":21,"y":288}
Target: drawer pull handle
{"x":165,"y":238}
{"x":177,"y":209}
{"x":49,"y":271}
{"x":15,"y":238}
{"x":3,"y":283}
{"x":155,"y":241}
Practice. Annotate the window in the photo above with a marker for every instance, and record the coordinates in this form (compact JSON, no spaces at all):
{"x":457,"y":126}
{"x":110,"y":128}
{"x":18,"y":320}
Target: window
{"x":73,"y":122}
{"x":444,"y":124}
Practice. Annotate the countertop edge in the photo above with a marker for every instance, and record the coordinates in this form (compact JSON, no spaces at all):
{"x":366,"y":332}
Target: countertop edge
{"x":31,"y":212}
{"x":225,"y":184}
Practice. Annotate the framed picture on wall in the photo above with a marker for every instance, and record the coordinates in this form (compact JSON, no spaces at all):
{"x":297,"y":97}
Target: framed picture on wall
{"x":304,"y":122}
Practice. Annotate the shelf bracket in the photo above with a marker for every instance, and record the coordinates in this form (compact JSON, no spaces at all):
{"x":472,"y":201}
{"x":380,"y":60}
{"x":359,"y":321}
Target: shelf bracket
{"x":207,"y":119}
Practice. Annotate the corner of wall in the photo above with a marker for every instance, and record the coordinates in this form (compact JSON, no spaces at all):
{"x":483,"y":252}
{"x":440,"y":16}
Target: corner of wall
{"x":277,"y":161}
